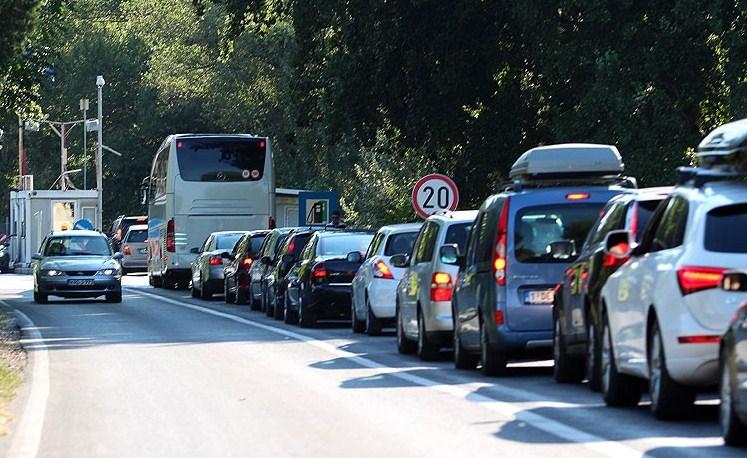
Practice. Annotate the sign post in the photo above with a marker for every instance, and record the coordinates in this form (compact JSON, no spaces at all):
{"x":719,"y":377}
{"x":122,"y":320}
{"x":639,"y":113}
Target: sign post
{"x":315,"y":208}
{"x":433,"y":193}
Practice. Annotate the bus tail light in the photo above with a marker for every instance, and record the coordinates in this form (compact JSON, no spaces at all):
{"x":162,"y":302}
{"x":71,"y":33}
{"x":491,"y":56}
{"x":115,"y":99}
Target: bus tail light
{"x":441,"y":288}
{"x":501,"y":239}
{"x":170,"y":236}
{"x":694,"y":279}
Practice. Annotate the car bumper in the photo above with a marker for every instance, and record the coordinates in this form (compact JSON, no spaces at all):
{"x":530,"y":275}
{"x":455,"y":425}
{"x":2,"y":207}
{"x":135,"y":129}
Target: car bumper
{"x":382,"y":295}
{"x":438,"y":317}
{"x":61,"y":287}
{"x":500,"y":337}
{"x":330,"y":301}
{"x":693,"y":364}
{"x":132,"y":262}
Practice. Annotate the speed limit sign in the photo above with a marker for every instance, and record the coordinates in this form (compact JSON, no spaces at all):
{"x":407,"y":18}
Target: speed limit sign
{"x":434,"y":192}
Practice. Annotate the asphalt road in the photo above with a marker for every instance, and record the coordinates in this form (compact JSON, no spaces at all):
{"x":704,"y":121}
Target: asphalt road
{"x":163,"y":374}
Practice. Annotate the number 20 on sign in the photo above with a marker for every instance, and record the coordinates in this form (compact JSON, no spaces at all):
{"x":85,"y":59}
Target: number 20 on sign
{"x":433,"y":193}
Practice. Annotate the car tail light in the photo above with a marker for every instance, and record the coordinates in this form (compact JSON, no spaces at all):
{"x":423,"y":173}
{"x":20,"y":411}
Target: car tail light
{"x":170,"y":241}
{"x":382,"y":270}
{"x":271,"y":223}
{"x":500,"y":319}
{"x":319,"y":272}
{"x":694,"y":279}
{"x":499,"y":256}
{"x":441,"y":288}
{"x":127,"y":250}
{"x":246,"y":263}
{"x":291,"y":246}
{"x":215,"y":261}
{"x":698,"y":339}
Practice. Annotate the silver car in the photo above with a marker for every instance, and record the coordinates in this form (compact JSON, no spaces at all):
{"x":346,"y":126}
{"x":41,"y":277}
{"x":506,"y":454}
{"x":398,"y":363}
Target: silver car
{"x":207,"y":268}
{"x":76,"y":264}
{"x":135,"y":249}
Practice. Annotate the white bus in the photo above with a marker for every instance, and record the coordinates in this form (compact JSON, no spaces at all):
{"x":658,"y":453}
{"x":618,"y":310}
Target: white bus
{"x":202,"y":183}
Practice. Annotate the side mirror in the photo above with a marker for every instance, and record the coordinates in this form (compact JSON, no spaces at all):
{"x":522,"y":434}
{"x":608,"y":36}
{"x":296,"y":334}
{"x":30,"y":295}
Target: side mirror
{"x":619,"y":244}
{"x":562,"y":249}
{"x":266,"y":260}
{"x":354,"y":257}
{"x":734,"y":281}
{"x":449,"y":254}
{"x":194,"y":250}
{"x":400,"y":260}
{"x":118,"y":255}
{"x":37,"y":257}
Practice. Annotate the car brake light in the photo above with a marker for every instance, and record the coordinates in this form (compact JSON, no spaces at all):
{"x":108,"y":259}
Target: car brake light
{"x":698,"y":339}
{"x":381,"y":270}
{"x":319,"y":272}
{"x":441,"y":288}
{"x":577,"y":196}
{"x":271,"y":223}
{"x":261,"y":143}
{"x":499,"y":318}
{"x":170,"y":241}
{"x":499,"y":256}
{"x":127,"y":250}
{"x":291,"y":246}
{"x":694,"y":279}
{"x":247,"y":263}
{"x":215,"y":260}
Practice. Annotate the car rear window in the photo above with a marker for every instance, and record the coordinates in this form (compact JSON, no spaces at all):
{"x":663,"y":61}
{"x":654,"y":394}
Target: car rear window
{"x":457,"y":234}
{"x":221,"y":159}
{"x":400,"y":243}
{"x":722,"y":231}
{"x":137,"y":236}
{"x":344,"y":244}
{"x":227,"y":242}
{"x":299,"y":242}
{"x":537,"y":227}
{"x":256,"y":243}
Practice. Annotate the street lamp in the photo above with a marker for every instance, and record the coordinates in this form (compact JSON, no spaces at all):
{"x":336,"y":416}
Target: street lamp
{"x":99,"y":163}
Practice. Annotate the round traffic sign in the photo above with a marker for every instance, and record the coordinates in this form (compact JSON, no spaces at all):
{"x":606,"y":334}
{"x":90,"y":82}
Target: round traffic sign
{"x":434,"y":192}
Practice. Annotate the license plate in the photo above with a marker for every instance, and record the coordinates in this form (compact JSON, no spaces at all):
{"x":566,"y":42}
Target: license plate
{"x":80,"y":282}
{"x":539,"y":297}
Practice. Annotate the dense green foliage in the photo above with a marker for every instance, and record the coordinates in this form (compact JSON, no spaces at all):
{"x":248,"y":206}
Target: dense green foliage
{"x":365,"y":97}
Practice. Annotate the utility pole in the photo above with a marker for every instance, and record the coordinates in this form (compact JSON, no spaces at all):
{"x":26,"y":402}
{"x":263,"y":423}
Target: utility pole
{"x":84,"y":109}
{"x":20,"y":153}
{"x":99,"y":162}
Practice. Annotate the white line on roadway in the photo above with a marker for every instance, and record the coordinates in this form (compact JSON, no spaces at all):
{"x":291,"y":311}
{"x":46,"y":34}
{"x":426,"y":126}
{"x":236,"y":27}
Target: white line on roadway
{"x":591,"y":441}
{"x":27,"y":436}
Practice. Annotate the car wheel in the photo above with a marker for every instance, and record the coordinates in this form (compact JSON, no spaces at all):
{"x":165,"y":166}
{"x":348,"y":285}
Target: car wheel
{"x":566,"y":368}
{"x":669,"y":399}
{"x":228,"y":296}
{"x":492,"y":361}
{"x":373,"y":324}
{"x":618,"y":390}
{"x":157,"y":282}
{"x":168,"y":282}
{"x":357,"y":325}
{"x":278,"y":308}
{"x":404,"y":345}
{"x":205,"y":293}
{"x":306,"y":317}
{"x":289,"y":316}
{"x":732,"y":428}
{"x":462,"y":358}
{"x":267,"y":304}
{"x":40,"y":298}
{"x":427,"y":351}
{"x":593,"y":358}
{"x":114,"y":298}
{"x":195,"y":292}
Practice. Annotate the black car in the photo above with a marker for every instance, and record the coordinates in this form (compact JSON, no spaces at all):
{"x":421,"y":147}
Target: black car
{"x":320,"y":282}
{"x":119,"y":229}
{"x":236,"y":270}
{"x":576,"y":300}
{"x":274,"y":282}
{"x":733,"y":362}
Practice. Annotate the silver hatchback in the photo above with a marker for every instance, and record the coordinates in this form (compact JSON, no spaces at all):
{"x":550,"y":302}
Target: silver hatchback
{"x":135,"y":249}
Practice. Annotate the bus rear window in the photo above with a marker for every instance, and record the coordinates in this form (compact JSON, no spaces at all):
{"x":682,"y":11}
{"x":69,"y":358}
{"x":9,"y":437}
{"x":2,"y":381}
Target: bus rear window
{"x":722,"y":233}
{"x":221,"y":159}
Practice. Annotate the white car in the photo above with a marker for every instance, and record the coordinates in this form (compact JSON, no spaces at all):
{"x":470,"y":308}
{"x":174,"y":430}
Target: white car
{"x":375,"y":284}
{"x":664,"y":310}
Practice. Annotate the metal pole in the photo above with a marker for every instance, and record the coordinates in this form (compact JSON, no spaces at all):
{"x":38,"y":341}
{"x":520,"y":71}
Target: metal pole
{"x":99,"y":162}
{"x":63,"y":159}
{"x":20,"y":153}
{"x":84,"y":108}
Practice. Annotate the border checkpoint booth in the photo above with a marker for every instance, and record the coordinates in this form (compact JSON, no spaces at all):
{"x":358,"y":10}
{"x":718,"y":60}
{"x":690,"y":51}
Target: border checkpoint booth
{"x":34,"y":214}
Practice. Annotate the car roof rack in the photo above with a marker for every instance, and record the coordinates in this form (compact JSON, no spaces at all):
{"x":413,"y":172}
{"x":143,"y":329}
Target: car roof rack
{"x":721,"y":156}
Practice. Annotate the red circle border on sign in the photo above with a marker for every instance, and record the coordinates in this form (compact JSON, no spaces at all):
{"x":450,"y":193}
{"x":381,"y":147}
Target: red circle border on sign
{"x":449,"y":182}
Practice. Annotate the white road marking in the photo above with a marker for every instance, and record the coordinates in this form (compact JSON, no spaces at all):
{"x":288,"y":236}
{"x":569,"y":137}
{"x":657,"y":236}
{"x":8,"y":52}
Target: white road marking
{"x":591,"y":441}
{"x":27,"y":436}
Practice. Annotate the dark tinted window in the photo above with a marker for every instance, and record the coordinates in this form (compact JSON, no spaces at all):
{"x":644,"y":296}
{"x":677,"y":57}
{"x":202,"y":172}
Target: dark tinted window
{"x":344,"y":244}
{"x":79,"y":245}
{"x":537,"y":227}
{"x":221,"y":159}
{"x":457,"y":234}
{"x":724,"y":231}
{"x":139,"y":236}
{"x":426,"y":241}
{"x":671,"y":230}
{"x":485,"y":231}
{"x":226,"y":242}
{"x":612,"y":218}
{"x":374,"y":246}
{"x":299,"y":243}
{"x":400,"y":243}
{"x":645,"y":210}
{"x":256,"y":243}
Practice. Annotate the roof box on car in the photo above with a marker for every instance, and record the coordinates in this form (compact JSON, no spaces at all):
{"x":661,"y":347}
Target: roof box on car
{"x":570,"y":161}
{"x":725,"y":148}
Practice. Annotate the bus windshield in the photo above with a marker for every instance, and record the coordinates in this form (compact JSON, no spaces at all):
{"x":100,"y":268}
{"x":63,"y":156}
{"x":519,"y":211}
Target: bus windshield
{"x":221,"y":158}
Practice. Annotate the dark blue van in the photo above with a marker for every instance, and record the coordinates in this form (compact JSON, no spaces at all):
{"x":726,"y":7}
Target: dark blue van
{"x":522,"y":241}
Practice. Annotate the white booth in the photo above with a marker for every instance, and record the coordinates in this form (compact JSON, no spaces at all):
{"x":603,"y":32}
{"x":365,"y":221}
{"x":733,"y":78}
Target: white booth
{"x":34,"y":214}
